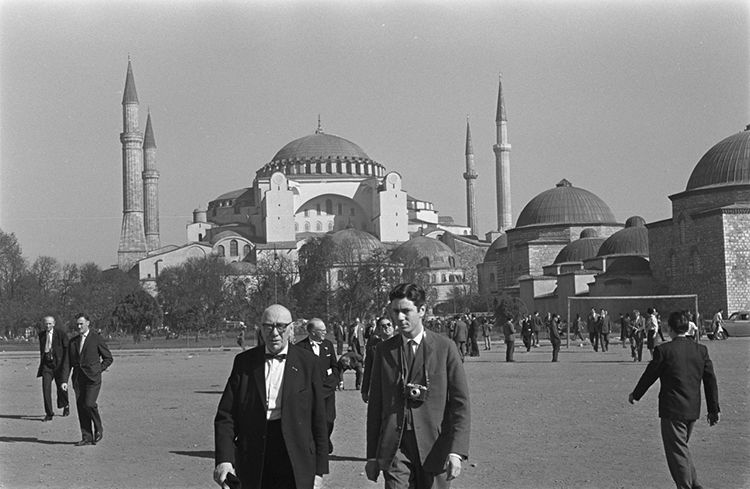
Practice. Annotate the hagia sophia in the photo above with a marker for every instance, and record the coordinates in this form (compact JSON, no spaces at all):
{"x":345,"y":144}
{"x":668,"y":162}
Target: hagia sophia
{"x":566,"y":241}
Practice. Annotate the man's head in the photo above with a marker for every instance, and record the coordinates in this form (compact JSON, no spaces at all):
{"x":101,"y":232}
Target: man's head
{"x":82,"y":323}
{"x":49,"y":323}
{"x":407,"y":308}
{"x":649,"y":311}
{"x":276,"y":327}
{"x":385,"y":327}
{"x":678,"y":323}
{"x":603,"y":312}
{"x":316,"y":329}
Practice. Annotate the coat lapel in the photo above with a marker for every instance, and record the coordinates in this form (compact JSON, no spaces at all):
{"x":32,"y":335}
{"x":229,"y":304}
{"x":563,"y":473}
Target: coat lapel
{"x":258,"y":366}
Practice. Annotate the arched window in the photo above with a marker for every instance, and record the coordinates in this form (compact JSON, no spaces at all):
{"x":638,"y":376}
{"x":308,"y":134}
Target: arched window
{"x":220,"y":250}
{"x":492,"y":278}
{"x":340,"y":275}
{"x":424,"y":262}
{"x":329,"y":207}
{"x":317,"y":208}
{"x":318,"y":226}
{"x":683,"y":229}
{"x":307,"y":226}
{"x":695,"y":259}
{"x":296,"y":227}
{"x":340,"y":209}
{"x":245,"y":251}
{"x":233,"y":248}
{"x":452,"y":261}
{"x":307,"y":212}
{"x":330,"y":225}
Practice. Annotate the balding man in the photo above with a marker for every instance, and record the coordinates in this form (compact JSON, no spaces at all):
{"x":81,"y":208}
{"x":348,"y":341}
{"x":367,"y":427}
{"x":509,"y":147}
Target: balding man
{"x":317,"y":343}
{"x":270,"y":426}
{"x":54,"y":365}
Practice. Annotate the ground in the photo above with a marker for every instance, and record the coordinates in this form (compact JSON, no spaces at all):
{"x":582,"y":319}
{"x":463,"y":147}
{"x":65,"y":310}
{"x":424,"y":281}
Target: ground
{"x":535,"y":424}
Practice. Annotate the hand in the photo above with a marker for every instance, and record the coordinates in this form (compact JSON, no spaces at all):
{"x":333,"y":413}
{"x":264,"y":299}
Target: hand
{"x":64,"y":387}
{"x":372,"y":470}
{"x":452,"y":466}
{"x":365,"y":397}
{"x":318,"y":483}
{"x":221,"y":471}
{"x":631,"y":399}
{"x":712,"y":418}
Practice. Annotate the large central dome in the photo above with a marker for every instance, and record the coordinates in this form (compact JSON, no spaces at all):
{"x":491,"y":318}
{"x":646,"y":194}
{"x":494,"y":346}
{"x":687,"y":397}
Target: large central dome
{"x":320,"y":145}
{"x":565,"y":204}
{"x":726,"y":163}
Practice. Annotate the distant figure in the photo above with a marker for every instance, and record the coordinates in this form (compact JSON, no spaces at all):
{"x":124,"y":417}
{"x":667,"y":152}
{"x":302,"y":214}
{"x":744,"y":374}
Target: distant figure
{"x":718,"y":326}
{"x":591,"y":326}
{"x":637,"y":335}
{"x":339,"y":336}
{"x":241,"y":338}
{"x":351,"y":360}
{"x":680,"y":366}
{"x":54,"y":364}
{"x":624,"y":328}
{"x":487,"y":333}
{"x":527,"y":332}
{"x":460,"y":336}
{"x":554,"y":335}
{"x":578,"y":326}
{"x":473,"y":335}
{"x":383,"y":330}
{"x":509,"y":333}
{"x":605,"y":327}
{"x":652,"y":327}
{"x":357,"y":337}
{"x":537,"y":327}
{"x":692,"y":332}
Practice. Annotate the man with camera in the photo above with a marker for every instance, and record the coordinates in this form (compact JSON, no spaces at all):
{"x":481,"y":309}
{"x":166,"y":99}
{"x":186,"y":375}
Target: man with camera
{"x":418,"y":418}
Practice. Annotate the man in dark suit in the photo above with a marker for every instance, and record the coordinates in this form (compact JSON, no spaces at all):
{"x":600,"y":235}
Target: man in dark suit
{"x":604,"y":327}
{"x":418,"y":418}
{"x":54,"y":364}
{"x":680,"y":365}
{"x":357,"y":337}
{"x":317,"y":343}
{"x":383,"y":331}
{"x":89,"y":357}
{"x":270,"y":425}
{"x":460,"y":336}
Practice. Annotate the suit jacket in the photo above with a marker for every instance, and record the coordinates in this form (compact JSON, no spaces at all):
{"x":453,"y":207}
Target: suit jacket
{"x":441,"y":423}
{"x":372,"y":342}
{"x":509,"y":331}
{"x":240,"y":423}
{"x":461,"y":333}
{"x":326,"y":362}
{"x":605,"y":324}
{"x":92,"y":361}
{"x":681,"y":365}
{"x":61,"y":360}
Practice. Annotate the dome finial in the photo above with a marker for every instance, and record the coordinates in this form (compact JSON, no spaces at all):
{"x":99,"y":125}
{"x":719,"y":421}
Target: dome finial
{"x":319,"y":130}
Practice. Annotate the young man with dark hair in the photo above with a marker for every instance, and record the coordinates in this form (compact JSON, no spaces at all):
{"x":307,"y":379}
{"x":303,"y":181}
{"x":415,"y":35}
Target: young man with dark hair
{"x":680,"y":365}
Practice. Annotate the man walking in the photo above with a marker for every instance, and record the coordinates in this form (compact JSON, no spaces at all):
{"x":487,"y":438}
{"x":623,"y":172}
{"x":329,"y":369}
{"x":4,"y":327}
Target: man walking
{"x":592,"y":327}
{"x":54,"y":364}
{"x":383,"y":330}
{"x":89,"y":357}
{"x":604,"y":327}
{"x":270,"y":426}
{"x":509,"y":333}
{"x":680,"y":365}
{"x":418,"y":420}
{"x":486,"y":333}
{"x":460,"y":336}
{"x":554,"y":335}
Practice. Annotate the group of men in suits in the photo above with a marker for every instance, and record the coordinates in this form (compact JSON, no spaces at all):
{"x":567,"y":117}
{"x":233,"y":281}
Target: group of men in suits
{"x":87,"y":356}
{"x":272,"y":428}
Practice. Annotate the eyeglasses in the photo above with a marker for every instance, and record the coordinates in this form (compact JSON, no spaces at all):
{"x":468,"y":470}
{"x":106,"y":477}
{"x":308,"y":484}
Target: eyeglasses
{"x":386,"y":324}
{"x":279,"y":327}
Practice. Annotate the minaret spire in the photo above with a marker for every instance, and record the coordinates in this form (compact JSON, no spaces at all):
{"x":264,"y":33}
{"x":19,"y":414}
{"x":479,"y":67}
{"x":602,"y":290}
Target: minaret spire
{"x":319,"y":130}
{"x":502,"y":163}
{"x":132,"y":245}
{"x":470,"y":176}
{"x":150,"y":188}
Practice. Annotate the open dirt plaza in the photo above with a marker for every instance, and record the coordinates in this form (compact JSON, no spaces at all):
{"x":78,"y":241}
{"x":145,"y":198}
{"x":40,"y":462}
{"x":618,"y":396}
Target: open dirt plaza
{"x":535,"y":424}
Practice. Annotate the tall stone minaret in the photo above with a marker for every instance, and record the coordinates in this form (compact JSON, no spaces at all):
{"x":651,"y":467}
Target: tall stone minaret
{"x":150,"y":188}
{"x":132,"y":235}
{"x":470,"y":176}
{"x":502,"y":164}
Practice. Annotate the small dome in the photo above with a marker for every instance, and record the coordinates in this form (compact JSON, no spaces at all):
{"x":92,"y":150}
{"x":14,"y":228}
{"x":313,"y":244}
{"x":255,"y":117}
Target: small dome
{"x":500,"y":243}
{"x":425,"y":252}
{"x":353,"y":245}
{"x":579,"y":250}
{"x":628,"y":265}
{"x":320,"y":145}
{"x":565,"y":204}
{"x":726,"y":163}
{"x":632,"y":240}
{"x":589,"y":233}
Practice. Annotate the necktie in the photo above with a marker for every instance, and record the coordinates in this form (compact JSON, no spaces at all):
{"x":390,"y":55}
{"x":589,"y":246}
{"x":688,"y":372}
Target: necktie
{"x":83,"y":338}
{"x":410,"y":354}
{"x":315,"y":347}
{"x":279,"y":357}
{"x":48,"y":346}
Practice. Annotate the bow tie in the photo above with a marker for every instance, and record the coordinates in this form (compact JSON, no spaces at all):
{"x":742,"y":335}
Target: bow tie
{"x":280,"y":356}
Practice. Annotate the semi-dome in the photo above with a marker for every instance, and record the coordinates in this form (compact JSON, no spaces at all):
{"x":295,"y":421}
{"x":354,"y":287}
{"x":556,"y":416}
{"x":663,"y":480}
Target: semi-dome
{"x":500,"y":243}
{"x":353,"y":245}
{"x":726,"y":163}
{"x":631,"y":240}
{"x":580,"y":249}
{"x":565,"y":204}
{"x":320,"y":145}
{"x":425,"y":252}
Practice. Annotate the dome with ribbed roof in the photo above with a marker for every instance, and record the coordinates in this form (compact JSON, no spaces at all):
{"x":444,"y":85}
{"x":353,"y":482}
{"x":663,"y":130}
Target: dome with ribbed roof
{"x":628,"y":265}
{"x":353,"y":245}
{"x":425,"y":252}
{"x":580,"y":249}
{"x":631,"y":240}
{"x":320,"y":145}
{"x":726,"y":163}
{"x":500,"y":243}
{"x":565,"y":204}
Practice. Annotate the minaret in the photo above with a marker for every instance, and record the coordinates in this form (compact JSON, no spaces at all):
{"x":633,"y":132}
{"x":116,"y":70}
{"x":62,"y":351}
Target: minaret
{"x":470,"y":176}
{"x":132,"y":236}
{"x":502,"y":164}
{"x":150,"y":188}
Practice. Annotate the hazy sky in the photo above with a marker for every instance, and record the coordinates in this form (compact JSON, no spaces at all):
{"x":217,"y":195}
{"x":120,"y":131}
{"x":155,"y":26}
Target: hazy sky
{"x":620,"y":98}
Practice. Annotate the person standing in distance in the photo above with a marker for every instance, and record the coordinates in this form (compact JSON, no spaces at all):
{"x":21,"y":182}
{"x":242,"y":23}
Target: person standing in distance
{"x":53,"y":364}
{"x":383,"y":331}
{"x":509,"y":332}
{"x":270,"y":426}
{"x":680,"y":365}
{"x":89,"y":357}
{"x":418,"y":419}
{"x":317,"y":343}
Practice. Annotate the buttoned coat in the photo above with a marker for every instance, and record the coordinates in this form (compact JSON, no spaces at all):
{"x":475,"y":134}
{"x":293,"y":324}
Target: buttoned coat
{"x":60,"y":358}
{"x":88,"y":364}
{"x":326,"y":363}
{"x":441,"y":423}
{"x":240,"y":422}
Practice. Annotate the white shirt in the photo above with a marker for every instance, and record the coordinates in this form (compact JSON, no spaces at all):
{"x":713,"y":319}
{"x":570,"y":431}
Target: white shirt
{"x":48,"y":344}
{"x":315,"y":347}
{"x":83,"y":338}
{"x":274,"y":371}
{"x":417,"y":340}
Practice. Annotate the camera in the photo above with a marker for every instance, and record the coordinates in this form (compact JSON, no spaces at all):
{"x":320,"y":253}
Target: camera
{"x":416,"y":392}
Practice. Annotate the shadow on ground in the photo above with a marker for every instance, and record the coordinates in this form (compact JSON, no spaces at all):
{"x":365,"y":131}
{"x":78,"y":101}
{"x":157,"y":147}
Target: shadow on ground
{"x":28,"y":439}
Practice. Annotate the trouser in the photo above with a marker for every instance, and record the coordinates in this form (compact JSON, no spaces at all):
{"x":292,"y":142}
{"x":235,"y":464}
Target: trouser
{"x":527,"y":342}
{"x":577,"y":334}
{"x":636,"y":347}
{"x":461,"y":348}
{"x":487,"y":343}
{"x":88,"y":411}
{"x":555,"y":349}
{"x":510,"y":347}
{"x":406,"y":471}
{"x":48,"y":374}
{"x":604,"y":341}
{"x":339,"y":347}
{"x":594,"y":339}
{"x":675,"y":436}
{"x":536,"y":338}
{"x":277,"y":468}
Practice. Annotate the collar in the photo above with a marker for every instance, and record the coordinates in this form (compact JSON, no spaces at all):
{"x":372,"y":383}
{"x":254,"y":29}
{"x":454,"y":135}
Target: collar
{"x":314,"y":342}
{"x":417,"y":339}
{"x":283,"y":351}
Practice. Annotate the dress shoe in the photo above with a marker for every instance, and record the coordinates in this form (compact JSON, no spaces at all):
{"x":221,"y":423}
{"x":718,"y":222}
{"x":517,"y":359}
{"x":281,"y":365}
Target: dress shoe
{"x":47,"y":418}
{"x":83,"y":443}
{"x":98,"y":437}
{"x":66,"y":411}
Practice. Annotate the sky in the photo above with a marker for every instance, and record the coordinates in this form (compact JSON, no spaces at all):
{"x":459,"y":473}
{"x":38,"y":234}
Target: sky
{"x":620,"y":98}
